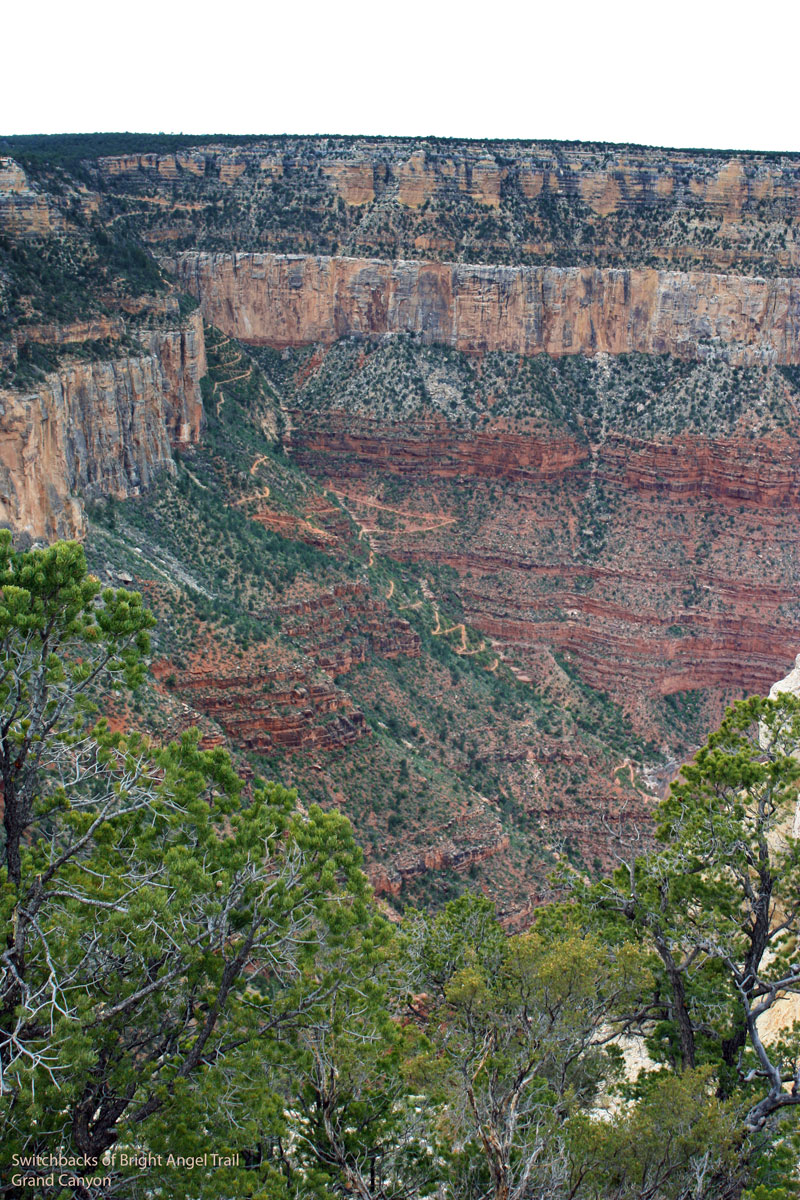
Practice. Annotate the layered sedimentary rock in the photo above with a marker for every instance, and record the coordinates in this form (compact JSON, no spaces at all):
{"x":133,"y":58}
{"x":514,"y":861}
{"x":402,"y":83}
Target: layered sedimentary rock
{"x":181,"y":358}
{"x":293,"y":713}
{"x":583,"y":507}
{"x":24,"y":211}
{"x":695,"y":586}
{"x":482,"y":202}
{"x":660,"y":560}
{"x":606,"y":178}
{"x":105,"y":328}
{"x":637,"y":616}
{"x":268,"y":706}
{"x":471,"y":837}
{"x":104,"y":428}
{"x":288,"y":300}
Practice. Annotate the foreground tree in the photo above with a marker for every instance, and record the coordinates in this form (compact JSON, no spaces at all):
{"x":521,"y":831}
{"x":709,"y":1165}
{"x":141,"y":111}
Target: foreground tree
{"x":521,"y":1039}
{"x":718,"y":906}
{"x":158,"y":927}
{"x":187,"y":968}
{"x":358,"y":1127}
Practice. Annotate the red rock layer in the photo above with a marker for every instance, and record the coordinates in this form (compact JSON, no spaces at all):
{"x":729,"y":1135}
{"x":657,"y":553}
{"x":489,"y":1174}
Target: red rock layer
{"x":467,"y":839}
{"x":694,"y":583}
{"x":298,"y":707}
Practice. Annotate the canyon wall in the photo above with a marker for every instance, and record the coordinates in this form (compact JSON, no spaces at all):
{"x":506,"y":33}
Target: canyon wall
{"x":288,"y":300}
{"x":98,"y":428}
{"x":691,"y":582}
{"x":605,"y":178}
{"x":24,"y":211}
{"x":492,"y":201}
{"x":635,"y":515}
{"x":541,"y":252}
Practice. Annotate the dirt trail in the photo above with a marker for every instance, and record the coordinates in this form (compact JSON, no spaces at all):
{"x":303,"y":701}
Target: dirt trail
{"x":253,"y":496}
{"x":220,"y":383}
{"x":434,"y":524}
{"x":462,"y":650}
{"x":192,"y":475}
{"x":257,"y":463}
{"x":330,"y":508}
{"x":431,"y":520}
{"x":390,"y":592}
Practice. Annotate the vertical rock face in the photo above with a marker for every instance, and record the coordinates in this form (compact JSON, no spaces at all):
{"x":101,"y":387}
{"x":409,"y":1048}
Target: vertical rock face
{"x":181,"y":357}
{"x":291,"y":300}
{"x":24,"y":212}
{"x":521,"y":202}
{"x":98,"y":429}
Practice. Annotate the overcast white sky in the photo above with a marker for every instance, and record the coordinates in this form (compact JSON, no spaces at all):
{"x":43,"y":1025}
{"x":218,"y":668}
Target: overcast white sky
{"x":679,"y":73}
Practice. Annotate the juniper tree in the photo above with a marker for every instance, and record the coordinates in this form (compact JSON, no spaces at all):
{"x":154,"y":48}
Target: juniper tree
{"x":520,"y":1033}
{"x":717,"y":904}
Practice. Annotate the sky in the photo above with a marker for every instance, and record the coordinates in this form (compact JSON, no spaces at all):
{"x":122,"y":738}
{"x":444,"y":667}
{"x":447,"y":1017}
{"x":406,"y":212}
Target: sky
{"x":689,"y":74}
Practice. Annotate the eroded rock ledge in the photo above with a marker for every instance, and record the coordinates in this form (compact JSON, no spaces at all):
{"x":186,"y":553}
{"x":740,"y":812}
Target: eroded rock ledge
{"x":292,"y":300}
{"x":103,"y":428}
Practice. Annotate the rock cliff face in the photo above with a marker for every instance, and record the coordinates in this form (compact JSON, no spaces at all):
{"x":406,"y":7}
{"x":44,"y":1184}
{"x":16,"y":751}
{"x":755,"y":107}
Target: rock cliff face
{"x":693,"y":586}
{"x":581,"y":508}
{"x":531,"y":202}
{"x":24,"y":211}
{"x":281,"y":300}
{"x":555,"y":390}
{"x":104,"y":428}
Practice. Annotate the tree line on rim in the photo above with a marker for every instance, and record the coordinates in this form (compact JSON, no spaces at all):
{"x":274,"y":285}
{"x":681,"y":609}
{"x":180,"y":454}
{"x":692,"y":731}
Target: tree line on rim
{"x":192,"y":968}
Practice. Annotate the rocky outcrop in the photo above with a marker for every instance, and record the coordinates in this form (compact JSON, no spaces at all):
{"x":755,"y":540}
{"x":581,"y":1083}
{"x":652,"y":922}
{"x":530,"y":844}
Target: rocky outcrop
{"x":604,"y":177}
{"x":429,"y":446}
{"x":266,"y":706}
{"x":24,"y":210}
{"x":657,"y":566}
{"x":289,"y":300}
{"x":469,"y":838}
{"x":480,"y":202}
{"x":104,"y":328}
{"x":732,"y":471}
{"x":181,"y":358}
{"x":341,"y":624}
{"x":265,"y":712}
{"x":92,"y":429}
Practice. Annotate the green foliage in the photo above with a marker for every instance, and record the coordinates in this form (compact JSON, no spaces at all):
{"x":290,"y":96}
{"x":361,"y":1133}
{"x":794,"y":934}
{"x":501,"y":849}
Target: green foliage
{"x":517,"y":1030}
{"x":70,"y":150}
{"x":678,"y":1142}
{"x":190,"y":963}
{"x":717,"y":907}
{"x":161,"y":928}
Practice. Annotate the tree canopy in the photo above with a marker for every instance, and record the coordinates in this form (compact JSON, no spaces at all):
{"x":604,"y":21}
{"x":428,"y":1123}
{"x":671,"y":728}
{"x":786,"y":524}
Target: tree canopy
{"x":194,"y":965}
